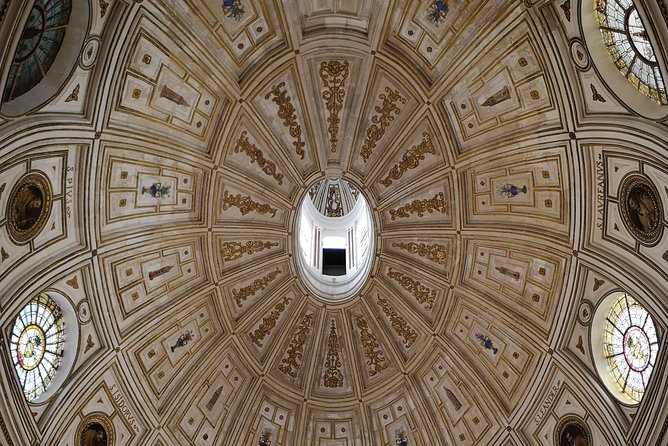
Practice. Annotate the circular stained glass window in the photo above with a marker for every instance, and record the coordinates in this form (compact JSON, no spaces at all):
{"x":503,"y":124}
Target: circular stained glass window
{"x":37,"y":341}
{"x":630,"y":346}
{"x":628,"y":44}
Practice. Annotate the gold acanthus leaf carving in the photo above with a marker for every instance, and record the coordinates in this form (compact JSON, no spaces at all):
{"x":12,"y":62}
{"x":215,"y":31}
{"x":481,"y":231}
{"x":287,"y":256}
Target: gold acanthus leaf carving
{"x":398,"y":323}
{"x":292,"y":360}
{"x":334,"y":74}
{"x":256,"y":156}
{"x":436,"y":253}
{"x":268,"y":323}
{"x":410,"y":160}
{"x":246,"y":204}
{"x":235,"y":250}
{"x":381,"y":121}
{"x":257,"y":285}
{"x":286,"y":112}
{"x":333,"y":376}
{"x":419,"y":207}
{"x":421,"y":293}
{"x":376,"y":362}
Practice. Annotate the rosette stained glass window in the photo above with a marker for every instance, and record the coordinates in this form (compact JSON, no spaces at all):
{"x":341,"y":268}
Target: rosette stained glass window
{"x":627,"y":41}
{"x":38,"y":46}
{"x":630,"y":346}
{"x":36,"y":344}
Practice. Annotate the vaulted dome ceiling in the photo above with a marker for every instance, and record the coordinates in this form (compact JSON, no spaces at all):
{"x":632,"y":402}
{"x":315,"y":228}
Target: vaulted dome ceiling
{"x":490,"y":152}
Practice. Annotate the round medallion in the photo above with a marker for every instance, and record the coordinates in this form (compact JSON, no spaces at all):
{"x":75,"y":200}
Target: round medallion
{"x":641,"y":209}
{"x":572,"y":431}
{"x":31,"y":347}
{"x":95,"y":430}
{"x":28,"y":207}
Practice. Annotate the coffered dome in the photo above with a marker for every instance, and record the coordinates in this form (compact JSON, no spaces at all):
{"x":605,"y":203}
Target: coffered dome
{"x":485,"y":174}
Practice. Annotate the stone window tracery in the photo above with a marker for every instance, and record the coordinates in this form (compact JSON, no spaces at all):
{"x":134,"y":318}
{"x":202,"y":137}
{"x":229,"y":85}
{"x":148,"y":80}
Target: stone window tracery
{"x":36,"y":344}
{"x":629,"y":46}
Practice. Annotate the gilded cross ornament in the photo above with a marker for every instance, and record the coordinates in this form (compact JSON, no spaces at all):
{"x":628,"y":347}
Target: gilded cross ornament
{"x":435,"y":252}
{"x":419,"y":207}
{"x":246,"y":204}
{"x":268,"y":323}
{"x":410,"y":160}
{"x":257,"y":285}
{"x":380,"y":121}
{"x":376,"y":362}
{"x":286,"y":112}
{"x":422,"y":294}
{"x":334,"y":74}
{"x":399,"y":324}
{"x":292,"y":360}
{"x":333,"y":376}
{"x":236,"y":250}
{"x":256,"y":156}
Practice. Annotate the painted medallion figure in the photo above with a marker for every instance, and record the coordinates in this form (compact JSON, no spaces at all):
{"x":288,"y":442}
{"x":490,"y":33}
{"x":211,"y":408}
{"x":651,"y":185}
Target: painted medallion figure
{"x":641,"y":208}
{"x":29,"y":207}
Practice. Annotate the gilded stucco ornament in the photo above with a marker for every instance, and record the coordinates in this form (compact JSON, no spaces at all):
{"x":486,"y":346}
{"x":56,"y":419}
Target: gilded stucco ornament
{"x":433,"y":252}
{"x":410,"y":160}
{"x":380,"y":121}
{"x":419,"y":207}
{"x":236,"y":250}
{"x":257,"y":285}
{"x":422,"y":294}
{"x":399,"y":324}
{"x":246,"y":204}
{"x":28,"y":207}
{"x":256,"y":156}
{"x":292,"y":360}
{"x":334,"y":75}
{"x":333,"y":377}
{"x":286,"y":111}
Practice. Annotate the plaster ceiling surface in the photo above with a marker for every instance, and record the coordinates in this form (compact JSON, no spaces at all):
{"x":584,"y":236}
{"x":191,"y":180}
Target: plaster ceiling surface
{"x":490,"y":255}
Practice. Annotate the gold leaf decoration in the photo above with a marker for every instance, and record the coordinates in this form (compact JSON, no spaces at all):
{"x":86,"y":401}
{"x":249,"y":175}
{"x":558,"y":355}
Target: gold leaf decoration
{"x":419,"y":207}
{"x":257,"y":285}
{"x":410,"y":160}
{"x":256,"y":156}
{"x":268,"y":323}
{"x":292,"y":360}
{"x":398,"y":323}
{"x":103,"y":7}
{"x":74,"y":96}
{"x":235,"y":250}
{"x":246,"y":204}
{"x":286,"y":111}
{"x":376,"y":362}
{"x":436,"y":253}
{"x":421,"y":293}
{"x":333,"y":74}
{"x":4,"y":254}
{"x":381,"y":121}
{"x":333,"y":376}
{"x":73,"y":282}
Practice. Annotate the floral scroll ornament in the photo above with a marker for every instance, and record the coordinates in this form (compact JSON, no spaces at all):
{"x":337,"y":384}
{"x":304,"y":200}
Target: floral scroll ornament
{"x":437,"y":11}
{"x":233,"y":9}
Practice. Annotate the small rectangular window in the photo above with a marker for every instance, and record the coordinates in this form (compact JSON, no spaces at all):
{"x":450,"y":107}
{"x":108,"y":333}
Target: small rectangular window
{"x":334,"y":262}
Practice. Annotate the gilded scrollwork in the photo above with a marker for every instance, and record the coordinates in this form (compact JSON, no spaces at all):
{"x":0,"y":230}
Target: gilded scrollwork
{"x":333,"y":376}
{"x":334,"y":74}
{"x":382,"y":120}
{"x":257,"y":285}
{"x":268,"y":323}
{"x":419,"y":207}
{"x":292,"y":360}
{"x":286,"y":112}
{"x":236,"y":250}
{"x":246,"y":204}
{"x":376,"y":361}
{"x":434,"y":252}
{"x":399,"y":324}
{"x":410,"y":160}
{"x":256,"y":156}
{"x":422,"y":294}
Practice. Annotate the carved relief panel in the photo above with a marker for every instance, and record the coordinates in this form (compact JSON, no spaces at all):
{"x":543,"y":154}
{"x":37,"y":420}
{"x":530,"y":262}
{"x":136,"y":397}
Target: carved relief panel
{"x":143,"y":190}
{"x":517,"y":276}
{"x":328,"y":427}
{"x":142,"y":278}
{"x":434,"y":254}
{"x":207,"y":409}
{"x":334,"y":364}
{"x":509,"y":98}
{"x":520,"y":190}
{"x":243,"y":249}
{"x":240,"y":204}
{"x":456,"y":402}
{"x":396,"y":416}
{"x":166,"y":355}
{"x":162,"y":94}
